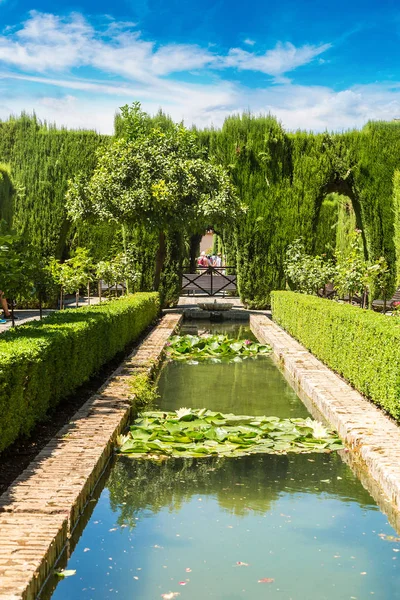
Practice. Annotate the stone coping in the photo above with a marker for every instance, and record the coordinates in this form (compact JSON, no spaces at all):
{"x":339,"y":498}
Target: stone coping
{"x":43,"y":505}
{"x":373,"y":437}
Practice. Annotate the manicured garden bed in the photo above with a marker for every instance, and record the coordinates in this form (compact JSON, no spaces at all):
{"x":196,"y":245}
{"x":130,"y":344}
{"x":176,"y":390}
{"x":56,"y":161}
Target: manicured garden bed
{"x":362,"y":346}
{"x":43,"y":362}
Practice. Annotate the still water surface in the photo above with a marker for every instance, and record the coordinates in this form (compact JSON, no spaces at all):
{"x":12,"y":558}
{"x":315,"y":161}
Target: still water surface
{"x":262,"y":526}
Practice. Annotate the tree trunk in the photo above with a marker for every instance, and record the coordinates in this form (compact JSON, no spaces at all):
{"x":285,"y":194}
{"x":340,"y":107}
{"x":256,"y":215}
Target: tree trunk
{"x":12,"y":313}
{"x":77,"y":299}
{"x":194,"y":251}
{"x":61,"y":298}
{"x":99,"y":288}
{"x":88,"y":292}
{"x":160,"y":258}
{"x":40,"y":307}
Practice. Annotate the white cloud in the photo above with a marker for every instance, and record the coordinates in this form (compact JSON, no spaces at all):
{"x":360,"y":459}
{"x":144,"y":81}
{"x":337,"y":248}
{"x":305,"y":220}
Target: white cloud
{"x":249,"y":42}
{"x":314,"y":108}
{"x":50,"y":43}
{"x":281,"y":59}
{"x":51,"y":53}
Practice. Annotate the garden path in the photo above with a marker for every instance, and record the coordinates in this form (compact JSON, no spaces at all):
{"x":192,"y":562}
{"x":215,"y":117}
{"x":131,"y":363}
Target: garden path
{"x":32,"y":314}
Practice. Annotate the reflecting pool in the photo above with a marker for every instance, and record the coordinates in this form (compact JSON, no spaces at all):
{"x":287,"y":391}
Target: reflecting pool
{"x":293,"y":527}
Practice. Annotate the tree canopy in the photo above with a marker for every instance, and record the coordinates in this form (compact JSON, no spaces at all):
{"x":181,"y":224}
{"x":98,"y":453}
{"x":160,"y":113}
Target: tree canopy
{"x":154,"y":178}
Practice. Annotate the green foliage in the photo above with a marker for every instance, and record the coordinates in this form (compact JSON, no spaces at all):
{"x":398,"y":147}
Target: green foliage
{"x":15,"y":267}
{"x":327,"y":226}
{"x":306,"y":273}
{"x":154,"y":179}
{"x":143,"y":389}
{"x":42,"y":159}
{"x":351,"y":269}
{"x":201,"y":433}
{"x":362,"y":346}
{"x":7,"y":195}
{"x":396,"y":209}
{"x":213,"y":347}
{"x":288,"y":181}
{"x":43,"y":362}
{"x":283,"y":179}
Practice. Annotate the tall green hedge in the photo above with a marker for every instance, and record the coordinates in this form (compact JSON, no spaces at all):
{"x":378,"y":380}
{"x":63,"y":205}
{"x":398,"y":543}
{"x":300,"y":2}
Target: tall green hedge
{"x":43,"y":362}
{"x":396,"y":213}
{"x":362,"y":346}
{"x":42,"y":158}
{"x":7,"y":195}
{"x":282,"y":177}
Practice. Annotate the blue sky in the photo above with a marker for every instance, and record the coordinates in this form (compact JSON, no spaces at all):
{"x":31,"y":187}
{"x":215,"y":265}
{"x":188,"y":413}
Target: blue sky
{"x":315,"y":65}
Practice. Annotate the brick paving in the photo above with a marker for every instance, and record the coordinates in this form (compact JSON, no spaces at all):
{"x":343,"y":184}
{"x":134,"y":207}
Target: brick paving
{"x":373,"y":437}
{"x":43,"y":505}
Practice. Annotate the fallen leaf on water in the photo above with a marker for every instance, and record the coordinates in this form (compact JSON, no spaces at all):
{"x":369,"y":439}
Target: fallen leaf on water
{"x":65,"y":573}
{"x":188,"y":570}
{"x":113,"y":529}
{"x":266,"y":580}
{"x":170,"y":595}
{"x":242,"y":564}
{"x":363,"y":573}
{"x":86,"y":550}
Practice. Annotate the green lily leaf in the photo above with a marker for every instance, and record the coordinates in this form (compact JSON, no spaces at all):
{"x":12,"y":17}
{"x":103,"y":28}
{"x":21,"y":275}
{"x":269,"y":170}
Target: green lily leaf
{"x":213,"y":348}
{"x":207,"y":432}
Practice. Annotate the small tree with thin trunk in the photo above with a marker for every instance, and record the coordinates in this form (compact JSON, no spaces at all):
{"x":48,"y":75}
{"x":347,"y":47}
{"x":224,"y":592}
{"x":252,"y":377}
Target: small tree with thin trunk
{"x":157,"y":179}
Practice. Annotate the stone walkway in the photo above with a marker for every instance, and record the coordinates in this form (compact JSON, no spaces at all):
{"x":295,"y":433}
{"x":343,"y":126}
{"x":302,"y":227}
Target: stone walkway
{"x":32,"y":314}
{"x":373,"y":437}
{"x":43,"y":505}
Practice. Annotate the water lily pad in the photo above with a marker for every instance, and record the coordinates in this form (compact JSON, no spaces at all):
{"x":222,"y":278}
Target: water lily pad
{"x":213,"y":348}
{"x":197,"y":433}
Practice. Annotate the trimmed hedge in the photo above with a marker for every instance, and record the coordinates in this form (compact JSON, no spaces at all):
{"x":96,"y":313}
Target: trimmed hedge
{"x":363,"y":346}
{"x":43,"y":362}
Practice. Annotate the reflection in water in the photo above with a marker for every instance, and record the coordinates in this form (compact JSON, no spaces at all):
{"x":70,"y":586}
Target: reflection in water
{"x":214,"y":528}
{"x":252,"y":387}
{"x":137,"y":485}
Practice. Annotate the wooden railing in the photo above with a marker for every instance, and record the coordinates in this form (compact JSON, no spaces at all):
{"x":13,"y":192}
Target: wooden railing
{"x":209,"y":280}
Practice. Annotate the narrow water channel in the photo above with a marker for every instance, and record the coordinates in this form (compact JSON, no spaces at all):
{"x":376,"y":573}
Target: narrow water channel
{"x":295,"y":527}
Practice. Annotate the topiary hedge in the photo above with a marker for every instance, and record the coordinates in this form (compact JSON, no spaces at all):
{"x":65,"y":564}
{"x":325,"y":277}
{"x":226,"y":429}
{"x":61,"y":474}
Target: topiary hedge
{"x":362,"y":346}
{"x":43,"y":362}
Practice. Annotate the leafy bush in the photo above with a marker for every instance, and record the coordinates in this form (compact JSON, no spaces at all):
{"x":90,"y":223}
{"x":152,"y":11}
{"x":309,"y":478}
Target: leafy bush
{"x":361,"y":345}
{"x":307,"y":273}
{"x":43,"y":362}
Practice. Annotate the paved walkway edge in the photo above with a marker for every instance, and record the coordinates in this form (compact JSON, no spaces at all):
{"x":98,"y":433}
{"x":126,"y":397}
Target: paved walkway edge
{"x":43,"y":505}
{"x":374,"y":439}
